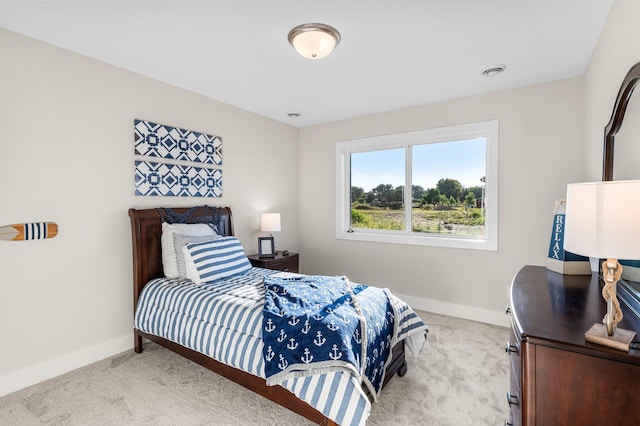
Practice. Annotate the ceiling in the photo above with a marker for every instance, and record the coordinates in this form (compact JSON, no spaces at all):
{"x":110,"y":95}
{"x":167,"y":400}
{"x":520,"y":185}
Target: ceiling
{"x":393,"y":54}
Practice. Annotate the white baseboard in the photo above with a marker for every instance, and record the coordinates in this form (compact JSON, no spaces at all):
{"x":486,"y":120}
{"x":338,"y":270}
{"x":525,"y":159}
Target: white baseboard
{"x":38,"y":373}
{"x":460,"y":311}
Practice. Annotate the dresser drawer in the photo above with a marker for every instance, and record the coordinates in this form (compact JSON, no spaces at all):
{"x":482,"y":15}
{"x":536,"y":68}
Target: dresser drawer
{"x":514,"y":394}
{"x":514,"y":401}
{"x":512,"y":348}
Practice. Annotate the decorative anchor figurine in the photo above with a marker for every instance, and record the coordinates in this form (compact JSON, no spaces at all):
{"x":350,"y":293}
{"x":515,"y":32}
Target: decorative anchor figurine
{"x":609,"y":334}
{"x":28,"y":231}
{"x":612,"y":272}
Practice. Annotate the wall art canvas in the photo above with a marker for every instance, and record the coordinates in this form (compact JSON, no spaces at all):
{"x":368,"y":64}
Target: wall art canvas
{"x":158,"y":140}
{"x":174,"y":180}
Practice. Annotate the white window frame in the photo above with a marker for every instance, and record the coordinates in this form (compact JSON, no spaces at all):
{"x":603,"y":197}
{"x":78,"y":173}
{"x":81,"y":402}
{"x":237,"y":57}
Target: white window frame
{"x":484,"y":129}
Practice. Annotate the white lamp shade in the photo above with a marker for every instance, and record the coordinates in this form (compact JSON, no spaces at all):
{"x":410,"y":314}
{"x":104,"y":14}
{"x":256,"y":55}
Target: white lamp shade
{"x":270,"y":222}
{"x":603,"y":219}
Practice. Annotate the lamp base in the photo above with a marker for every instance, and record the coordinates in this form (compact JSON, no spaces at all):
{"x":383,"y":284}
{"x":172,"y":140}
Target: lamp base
{"x":620,"y":339}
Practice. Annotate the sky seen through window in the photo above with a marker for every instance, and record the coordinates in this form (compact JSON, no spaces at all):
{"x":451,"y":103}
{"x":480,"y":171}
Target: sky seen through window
{"x":463,"y":160}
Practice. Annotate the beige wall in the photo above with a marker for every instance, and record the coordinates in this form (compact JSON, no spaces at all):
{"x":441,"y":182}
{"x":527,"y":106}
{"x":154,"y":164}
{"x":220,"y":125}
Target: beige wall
{"x":540,"y":150}
{"x":67,"y":156}
{"x":618,"y":49}
{"x":66,"y":138}
{"x":550,"y":135}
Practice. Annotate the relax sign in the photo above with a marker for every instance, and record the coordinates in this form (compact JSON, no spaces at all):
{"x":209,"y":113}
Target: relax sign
{"x":558,"y":259}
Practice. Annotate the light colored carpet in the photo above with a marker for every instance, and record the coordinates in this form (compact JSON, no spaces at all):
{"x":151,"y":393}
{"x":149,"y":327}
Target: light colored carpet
{"x":460,"y":378}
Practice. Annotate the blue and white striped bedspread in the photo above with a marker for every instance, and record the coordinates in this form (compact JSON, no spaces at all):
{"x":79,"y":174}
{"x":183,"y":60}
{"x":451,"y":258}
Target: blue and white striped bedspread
{"x":223,"y":320}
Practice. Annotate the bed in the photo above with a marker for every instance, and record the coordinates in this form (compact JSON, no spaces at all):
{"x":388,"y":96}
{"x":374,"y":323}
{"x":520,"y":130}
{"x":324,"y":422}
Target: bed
{"x":296,"y":394}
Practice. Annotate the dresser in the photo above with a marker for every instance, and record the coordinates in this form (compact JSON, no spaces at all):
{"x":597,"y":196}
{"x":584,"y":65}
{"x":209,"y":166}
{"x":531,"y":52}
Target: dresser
{"x":556,"y":377}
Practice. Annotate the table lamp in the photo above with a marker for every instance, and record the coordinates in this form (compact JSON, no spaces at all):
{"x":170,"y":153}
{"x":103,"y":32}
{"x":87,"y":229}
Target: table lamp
{"x":269,"y":222}
{"x":603,"y":221}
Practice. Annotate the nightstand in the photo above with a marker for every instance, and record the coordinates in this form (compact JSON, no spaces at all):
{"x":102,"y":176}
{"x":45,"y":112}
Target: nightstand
{"x":279,"y":263}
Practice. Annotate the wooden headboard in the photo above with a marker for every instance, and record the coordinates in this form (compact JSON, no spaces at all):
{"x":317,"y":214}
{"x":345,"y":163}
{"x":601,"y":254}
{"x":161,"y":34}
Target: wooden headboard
{"x":146,"y":230}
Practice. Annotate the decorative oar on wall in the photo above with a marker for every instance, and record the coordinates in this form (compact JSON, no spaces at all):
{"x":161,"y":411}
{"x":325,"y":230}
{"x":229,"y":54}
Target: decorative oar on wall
{"x":28,"y":231}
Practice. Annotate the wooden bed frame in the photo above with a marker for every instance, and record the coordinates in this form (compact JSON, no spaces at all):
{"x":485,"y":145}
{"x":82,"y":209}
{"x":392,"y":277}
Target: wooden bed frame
{"x":146,"y":230}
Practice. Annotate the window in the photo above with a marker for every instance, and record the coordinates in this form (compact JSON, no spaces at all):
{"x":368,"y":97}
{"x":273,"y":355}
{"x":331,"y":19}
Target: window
{"x":432,"y":187}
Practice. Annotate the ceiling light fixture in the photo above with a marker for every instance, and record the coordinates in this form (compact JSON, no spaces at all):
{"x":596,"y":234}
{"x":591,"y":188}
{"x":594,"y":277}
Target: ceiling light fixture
{"x":494,"y":70}
{"x":314,"y":41}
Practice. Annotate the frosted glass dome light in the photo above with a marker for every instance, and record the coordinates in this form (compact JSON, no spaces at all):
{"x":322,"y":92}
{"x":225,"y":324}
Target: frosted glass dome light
{"x":314,"y":41}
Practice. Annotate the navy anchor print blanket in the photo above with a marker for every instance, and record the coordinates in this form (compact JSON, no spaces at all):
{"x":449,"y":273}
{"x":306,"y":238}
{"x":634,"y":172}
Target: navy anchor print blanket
{"x":317,"y":324}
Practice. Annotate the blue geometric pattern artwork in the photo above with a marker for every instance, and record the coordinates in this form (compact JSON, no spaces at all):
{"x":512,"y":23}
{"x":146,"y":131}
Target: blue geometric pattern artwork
{"x":174,"y":180}
{"x":158,"y":140}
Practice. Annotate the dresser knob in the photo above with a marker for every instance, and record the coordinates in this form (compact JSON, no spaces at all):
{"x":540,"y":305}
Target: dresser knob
{"x":509,"y":348}
{"x":512,"y":399}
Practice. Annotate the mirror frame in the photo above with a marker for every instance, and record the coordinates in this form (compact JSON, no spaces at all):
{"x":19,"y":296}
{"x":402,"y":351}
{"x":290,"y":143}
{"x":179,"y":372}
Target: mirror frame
{"x":619,"y":108}
{"x":626,"y":292}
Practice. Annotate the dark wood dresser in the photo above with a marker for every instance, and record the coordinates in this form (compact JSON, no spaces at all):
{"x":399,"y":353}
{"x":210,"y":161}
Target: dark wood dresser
{"x":557,"y":378}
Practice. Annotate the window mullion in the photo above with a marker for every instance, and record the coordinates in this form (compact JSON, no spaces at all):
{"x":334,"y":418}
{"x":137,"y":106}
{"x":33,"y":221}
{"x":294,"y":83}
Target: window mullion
{"x":408,"y":200}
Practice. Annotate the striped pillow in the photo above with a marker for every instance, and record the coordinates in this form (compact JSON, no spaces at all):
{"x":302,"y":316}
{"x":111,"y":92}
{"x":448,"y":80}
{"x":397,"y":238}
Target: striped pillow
{"x":216,"y":259}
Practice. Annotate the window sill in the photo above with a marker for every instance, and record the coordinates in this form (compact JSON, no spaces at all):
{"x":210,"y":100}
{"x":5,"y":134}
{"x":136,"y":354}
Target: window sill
{"x":420,"y":240}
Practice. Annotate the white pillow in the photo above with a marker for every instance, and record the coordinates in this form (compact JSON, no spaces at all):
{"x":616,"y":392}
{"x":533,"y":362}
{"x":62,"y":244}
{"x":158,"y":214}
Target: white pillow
{"x":169,"y":260}
{"x":213,"y":260}
{"x":179,"y":241}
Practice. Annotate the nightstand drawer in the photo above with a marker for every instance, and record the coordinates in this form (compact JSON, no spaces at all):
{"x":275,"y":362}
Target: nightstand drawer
{"x":279,"y":263}
{"x":287,"y":265}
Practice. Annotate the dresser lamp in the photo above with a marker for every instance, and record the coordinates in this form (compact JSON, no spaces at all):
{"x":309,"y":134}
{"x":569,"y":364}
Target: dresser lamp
{"x":269,"y":222}
{"x":603,"y":221}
